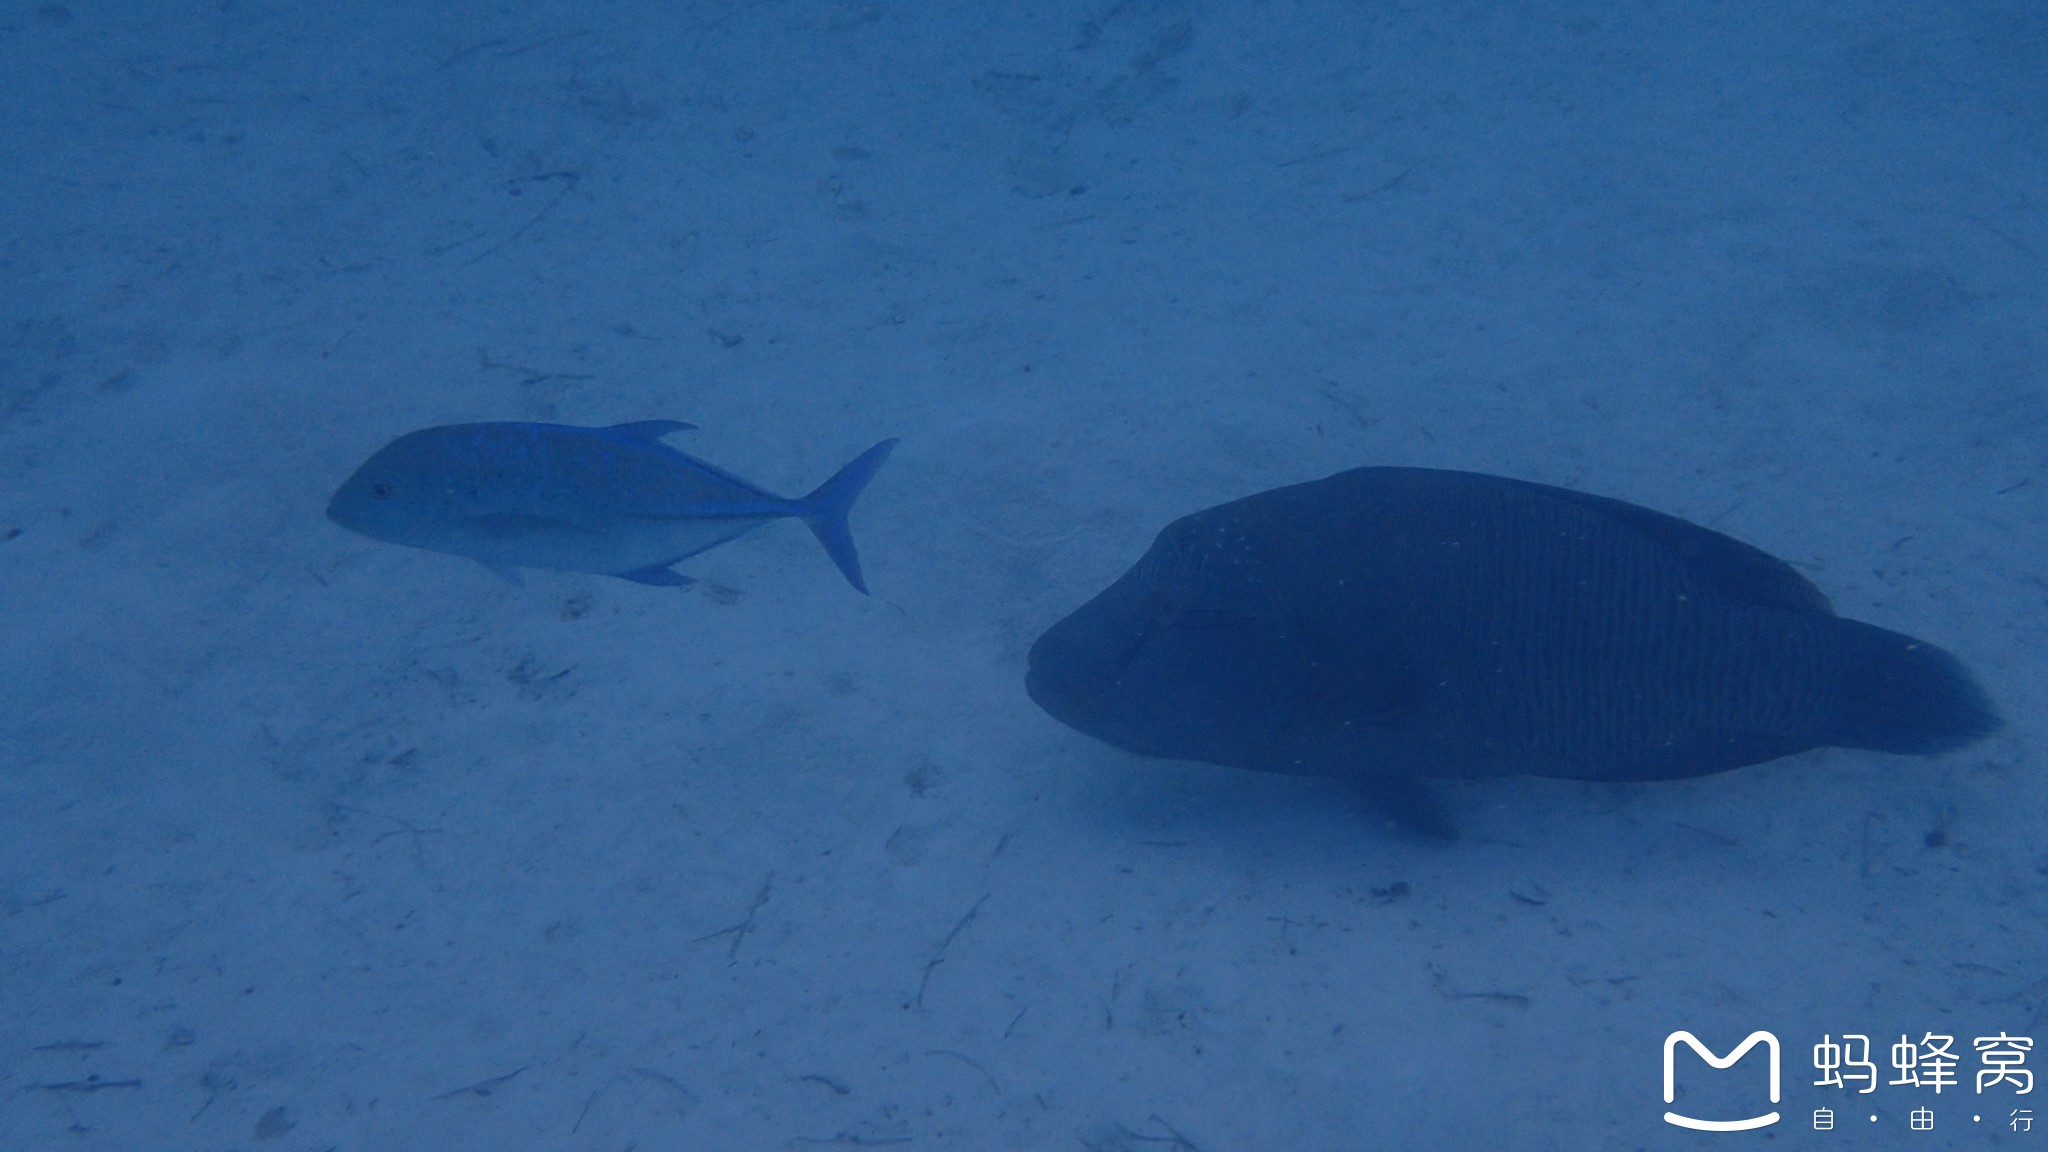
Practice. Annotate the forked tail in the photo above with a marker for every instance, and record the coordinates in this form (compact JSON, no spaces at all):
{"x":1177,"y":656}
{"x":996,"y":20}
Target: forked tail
{"x":825,"y":509}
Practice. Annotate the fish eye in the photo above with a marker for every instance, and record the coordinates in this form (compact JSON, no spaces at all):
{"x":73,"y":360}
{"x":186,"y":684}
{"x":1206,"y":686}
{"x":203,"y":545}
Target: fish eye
{"x":1161,"y":605}
{"x":1177,"y":608}
{"x":382,"y":491}
{"x":1192,"y":619}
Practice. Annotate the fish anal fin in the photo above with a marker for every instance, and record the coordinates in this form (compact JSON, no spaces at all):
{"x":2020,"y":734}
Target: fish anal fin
{"x":658,"y":575}
{"x":1407,"y":802}
{"x":648,"y":429}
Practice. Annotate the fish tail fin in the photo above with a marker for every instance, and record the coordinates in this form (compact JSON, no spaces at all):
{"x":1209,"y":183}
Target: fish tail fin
{"x":1905,"y":695}
{"x":825,"y":509}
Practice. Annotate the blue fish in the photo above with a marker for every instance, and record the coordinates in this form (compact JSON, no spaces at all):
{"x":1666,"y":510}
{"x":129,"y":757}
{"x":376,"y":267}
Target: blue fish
{"x":614,"y":501}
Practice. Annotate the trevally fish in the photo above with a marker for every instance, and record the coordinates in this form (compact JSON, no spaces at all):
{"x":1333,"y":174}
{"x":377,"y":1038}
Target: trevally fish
{"x":614,"y":501}
{"x":1386,"y":625}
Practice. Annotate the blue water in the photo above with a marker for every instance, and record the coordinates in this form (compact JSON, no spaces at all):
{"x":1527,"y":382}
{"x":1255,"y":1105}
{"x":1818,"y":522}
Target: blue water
{"x":311,"y":842}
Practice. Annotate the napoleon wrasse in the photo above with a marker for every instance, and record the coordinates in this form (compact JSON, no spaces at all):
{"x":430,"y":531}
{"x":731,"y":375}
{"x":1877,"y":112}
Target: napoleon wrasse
{"x":1387,"y":625}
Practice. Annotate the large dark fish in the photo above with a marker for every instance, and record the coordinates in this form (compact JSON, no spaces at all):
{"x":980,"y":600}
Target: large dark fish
{"x":1386,"y":625}
{"x":614,"y":501}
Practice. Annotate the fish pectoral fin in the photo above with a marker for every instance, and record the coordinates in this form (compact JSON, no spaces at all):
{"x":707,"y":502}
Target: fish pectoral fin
{"x":745,"y":516}
{"x":517,"y":524}
{"x":659,"y":575}
{"x":1408,"y":802}
{"x":1378,"y":687}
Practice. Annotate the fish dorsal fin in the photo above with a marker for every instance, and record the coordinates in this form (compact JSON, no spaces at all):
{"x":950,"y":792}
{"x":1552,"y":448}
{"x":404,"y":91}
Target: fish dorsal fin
{"x":648,"y":429}
{"x":1737,"y":570}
